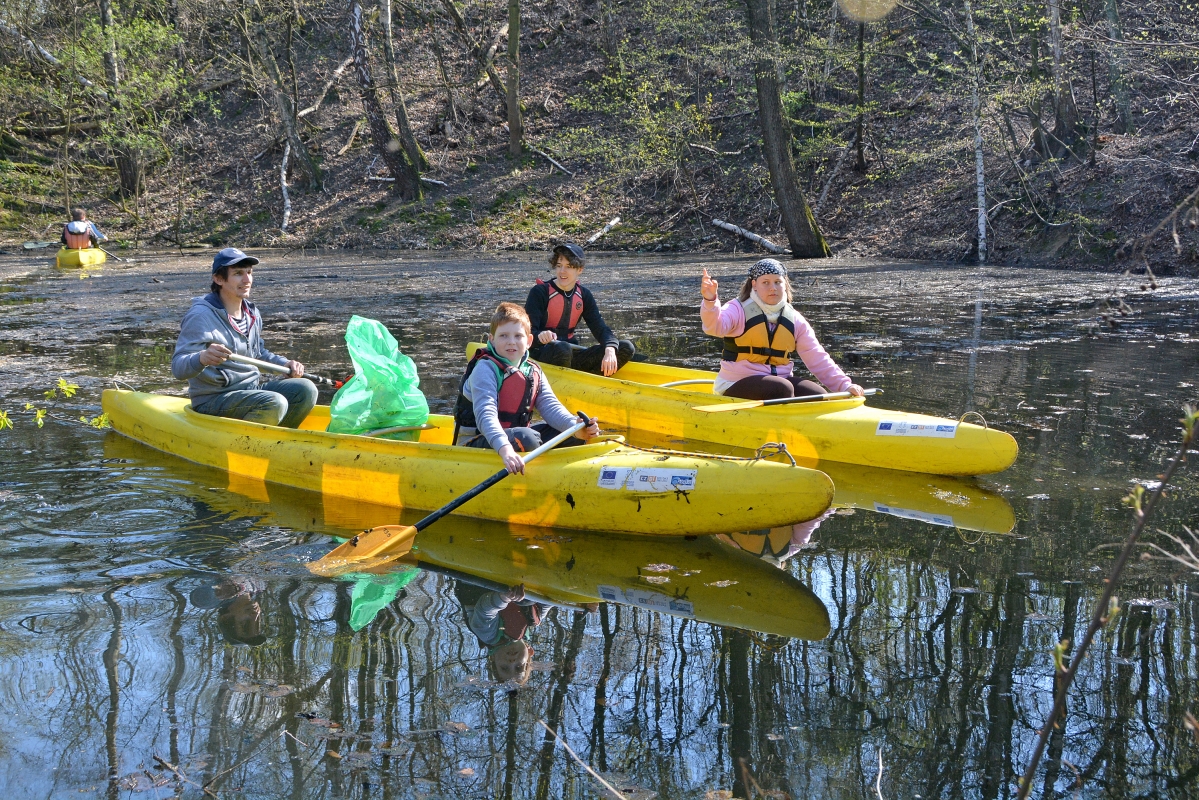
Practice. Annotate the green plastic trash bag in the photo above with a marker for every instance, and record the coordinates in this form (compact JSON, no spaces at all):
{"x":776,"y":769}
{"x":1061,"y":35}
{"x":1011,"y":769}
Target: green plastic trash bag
{"x":385,"y":390}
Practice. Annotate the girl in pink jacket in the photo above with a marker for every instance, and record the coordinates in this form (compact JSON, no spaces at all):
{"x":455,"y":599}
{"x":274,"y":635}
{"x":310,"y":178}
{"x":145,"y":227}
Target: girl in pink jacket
{"x":761,"y":332}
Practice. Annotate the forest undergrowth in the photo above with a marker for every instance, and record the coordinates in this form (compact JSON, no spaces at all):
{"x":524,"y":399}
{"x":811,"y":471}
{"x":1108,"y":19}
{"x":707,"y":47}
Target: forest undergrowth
{"x":170,"y":123}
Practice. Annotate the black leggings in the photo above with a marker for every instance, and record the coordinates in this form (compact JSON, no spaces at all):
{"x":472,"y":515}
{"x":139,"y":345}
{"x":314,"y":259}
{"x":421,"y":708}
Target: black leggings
{"x":563,"y":354}
{"x":771,"y":387}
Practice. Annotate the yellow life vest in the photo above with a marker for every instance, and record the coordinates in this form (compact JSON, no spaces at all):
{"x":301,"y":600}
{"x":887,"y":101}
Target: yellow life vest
{"x":759,"y":343}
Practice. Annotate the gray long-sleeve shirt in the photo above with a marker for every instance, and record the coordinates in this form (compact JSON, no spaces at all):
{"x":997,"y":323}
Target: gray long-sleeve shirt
{"x":483,"y":391}
{"x":206,"y":322}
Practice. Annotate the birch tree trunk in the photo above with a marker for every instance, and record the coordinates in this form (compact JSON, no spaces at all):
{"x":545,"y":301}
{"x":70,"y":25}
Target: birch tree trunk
{"x":1115,"y":67}
{"x":1065,"y":109}
{"x":407,"y":138}
{"x":798,"y":220}
{"x":980,"y":182}
{"x":284,"y":107}
{"x":407,"y":178}
{"x":516,"y":132}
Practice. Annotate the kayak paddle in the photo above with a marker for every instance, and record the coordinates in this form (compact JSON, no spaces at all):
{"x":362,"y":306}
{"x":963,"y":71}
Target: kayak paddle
{"x":37,"y":245}
{"x":388,"y":542}
{"x":779,"y":401}
{"x":114,"y":255}
{"x":281,"y":370}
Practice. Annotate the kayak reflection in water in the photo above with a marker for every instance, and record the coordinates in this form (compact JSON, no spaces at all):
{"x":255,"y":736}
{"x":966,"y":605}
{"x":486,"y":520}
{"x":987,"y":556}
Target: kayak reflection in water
{"x":239,"y":615}
{"x":223,"y":323}
{"x":500,"y":621}
{"x":761,"y":332}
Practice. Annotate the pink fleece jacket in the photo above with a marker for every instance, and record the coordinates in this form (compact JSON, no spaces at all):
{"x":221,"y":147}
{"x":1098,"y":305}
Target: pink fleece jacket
{"x":729,"y":320}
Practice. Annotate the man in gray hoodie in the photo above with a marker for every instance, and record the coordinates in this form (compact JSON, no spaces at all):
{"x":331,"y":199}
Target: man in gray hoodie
{"x":225,"y":322}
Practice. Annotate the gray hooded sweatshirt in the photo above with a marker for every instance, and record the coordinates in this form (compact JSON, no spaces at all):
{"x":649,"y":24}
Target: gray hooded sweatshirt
{"x":206,"y":322}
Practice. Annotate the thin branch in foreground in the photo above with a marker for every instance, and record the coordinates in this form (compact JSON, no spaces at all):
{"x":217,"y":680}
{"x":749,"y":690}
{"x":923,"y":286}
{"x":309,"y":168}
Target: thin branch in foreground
{"x":1142,"y":512}
{"x":582,"y":763}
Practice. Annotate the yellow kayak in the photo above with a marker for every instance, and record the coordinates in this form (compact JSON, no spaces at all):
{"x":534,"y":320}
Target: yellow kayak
{"x":702,"y":579}
{"x":942,"y":500}
{"x":602,"y":486}
{"x":88,"y":257}
{"x":845,"y":431}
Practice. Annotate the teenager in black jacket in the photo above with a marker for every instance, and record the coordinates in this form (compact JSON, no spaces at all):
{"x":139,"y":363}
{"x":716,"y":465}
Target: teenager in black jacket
{"x":557,"y":306}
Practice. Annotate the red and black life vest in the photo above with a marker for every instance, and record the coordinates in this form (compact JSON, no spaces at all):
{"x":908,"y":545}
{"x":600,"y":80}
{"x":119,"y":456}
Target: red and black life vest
{"x":517,"y":395}
{"x":556,"y":317}
{"x":515,"y":619}
{"x":77,"y":241}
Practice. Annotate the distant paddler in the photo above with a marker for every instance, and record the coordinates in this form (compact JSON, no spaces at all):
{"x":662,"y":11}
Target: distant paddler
{"x":81,"y":233}
{"x":224,"y":323}
{"x":761,"y":332}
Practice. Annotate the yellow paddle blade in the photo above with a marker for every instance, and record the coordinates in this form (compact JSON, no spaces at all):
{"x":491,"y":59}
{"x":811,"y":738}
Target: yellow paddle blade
{"x":366,"y":550}
{"x":730,"y":406}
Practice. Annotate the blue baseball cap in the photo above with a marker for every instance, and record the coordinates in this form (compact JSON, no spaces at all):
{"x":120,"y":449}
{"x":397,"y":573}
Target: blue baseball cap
{"x":231,"y":256}
{"x":573,"y":253}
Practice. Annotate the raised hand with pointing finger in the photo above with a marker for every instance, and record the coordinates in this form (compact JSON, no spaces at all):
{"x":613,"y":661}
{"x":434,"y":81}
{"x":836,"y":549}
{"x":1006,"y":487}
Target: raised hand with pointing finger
{"x":708,"y":287}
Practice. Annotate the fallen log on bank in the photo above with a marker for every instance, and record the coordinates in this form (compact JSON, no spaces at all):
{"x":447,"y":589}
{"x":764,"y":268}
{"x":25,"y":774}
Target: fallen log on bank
{"x":753,"y":237}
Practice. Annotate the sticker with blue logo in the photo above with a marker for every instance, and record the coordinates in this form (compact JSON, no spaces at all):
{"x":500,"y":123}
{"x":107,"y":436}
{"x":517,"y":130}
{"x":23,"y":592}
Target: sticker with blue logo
{"x":648,"y":599}
{"x":922,"y":516}
{"x":933,"y":430}
{"x":647,"y":479}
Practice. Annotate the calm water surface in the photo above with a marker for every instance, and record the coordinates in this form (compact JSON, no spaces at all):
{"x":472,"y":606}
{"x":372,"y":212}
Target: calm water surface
{"x":943,"y":597}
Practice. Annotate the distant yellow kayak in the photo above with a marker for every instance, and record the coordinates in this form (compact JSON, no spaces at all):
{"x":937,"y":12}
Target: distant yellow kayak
{"x":604,"y":486}
{"x":88,"y":257}
{"x":845,"y":431}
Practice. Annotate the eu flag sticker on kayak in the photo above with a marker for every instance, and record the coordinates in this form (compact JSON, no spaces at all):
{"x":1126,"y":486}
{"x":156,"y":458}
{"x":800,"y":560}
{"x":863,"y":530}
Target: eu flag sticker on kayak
{"x":935,"y":430}
{"x":648,"y":599}
{"x":647,"y":479}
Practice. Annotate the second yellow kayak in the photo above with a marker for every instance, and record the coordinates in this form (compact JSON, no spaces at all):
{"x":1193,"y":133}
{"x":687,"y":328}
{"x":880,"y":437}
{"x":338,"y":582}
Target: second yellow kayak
{"x":846,"y":431}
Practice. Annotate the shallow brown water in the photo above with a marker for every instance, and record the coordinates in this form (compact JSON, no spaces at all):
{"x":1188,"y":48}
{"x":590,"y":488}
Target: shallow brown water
{"x":939,"y":647}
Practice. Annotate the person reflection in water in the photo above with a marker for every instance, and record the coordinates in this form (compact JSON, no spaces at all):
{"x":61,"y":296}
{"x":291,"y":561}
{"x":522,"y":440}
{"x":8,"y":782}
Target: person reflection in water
{"x":776,"y":545}
{"x":239,"y":615}
{"x":500,"y":621}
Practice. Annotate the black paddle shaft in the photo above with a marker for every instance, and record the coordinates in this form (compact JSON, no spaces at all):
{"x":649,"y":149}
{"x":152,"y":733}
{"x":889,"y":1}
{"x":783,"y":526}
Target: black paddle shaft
{"x":472,"y":494}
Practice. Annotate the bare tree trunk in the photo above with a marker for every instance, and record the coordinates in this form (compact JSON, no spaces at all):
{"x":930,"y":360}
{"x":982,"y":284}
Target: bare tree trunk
{"x":980,"y":182}
{"x":411,"y":147}
{"x":1115,"y":66}
{"x":484,"y":58}
{"x":516,"y":133}
{"x":110,"y":45}
{"x":1040,"y":139}
{"x":130,"y":167}
{"x":798,"y":220}
{"x":860,"y":164}
{"x":284,"y":106}
{"x":407,"y":178}
{"x":1065,"y":109}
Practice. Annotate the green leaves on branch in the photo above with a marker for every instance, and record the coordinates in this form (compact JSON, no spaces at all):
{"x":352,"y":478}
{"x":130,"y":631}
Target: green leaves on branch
{"x":62,"y":389}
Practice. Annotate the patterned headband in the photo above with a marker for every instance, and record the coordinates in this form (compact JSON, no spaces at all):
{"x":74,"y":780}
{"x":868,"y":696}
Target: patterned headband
{"x":767,"y":266}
